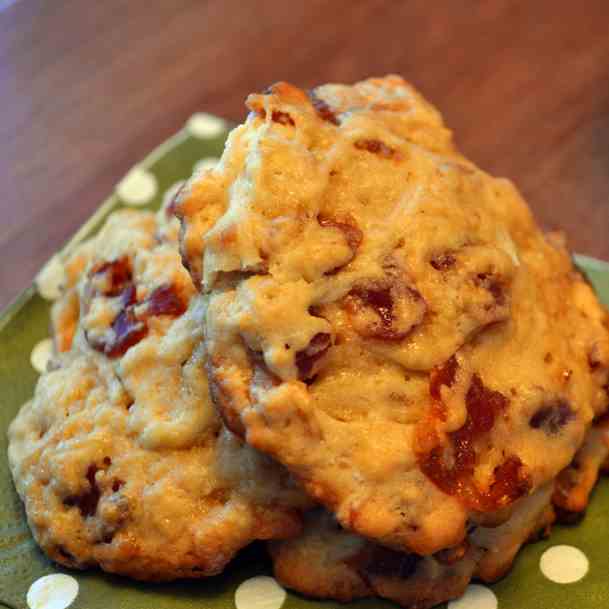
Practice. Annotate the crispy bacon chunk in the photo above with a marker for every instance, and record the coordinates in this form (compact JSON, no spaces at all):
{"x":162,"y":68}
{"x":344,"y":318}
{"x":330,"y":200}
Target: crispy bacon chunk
{"x":385,"y":309}
{"x":283,"y":118}
{"x":115,"y":280}
{"x":111,"y":278}
{"x":451,"y":467}
{"x":483,"y":407}
{"x":307,"y":359}
{"x":165,"y":301}
{"x":510,"y":483}
{"x":443,"y":375}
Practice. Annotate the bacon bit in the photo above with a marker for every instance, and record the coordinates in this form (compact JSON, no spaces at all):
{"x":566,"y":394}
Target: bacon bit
{"x":443,"y":262}
{"x":129,"y":329}
{"x":117,"y":275}
{"x":377,"y":147}
{"x":509,"y":484}
{"x":483,"y":407}
{"x":552,"y":417}
{"x":283,"y":118}
{"x":322,"y":108}
{"x":87,"y":501}
{"x":165,"y":301}
{"x":117,"y":484}
{"x":386,"y":309}
{"x":443,"y":375}
{"x":307,"y":359}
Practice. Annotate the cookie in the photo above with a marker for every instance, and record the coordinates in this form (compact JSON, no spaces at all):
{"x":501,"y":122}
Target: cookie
{"x":327,"y":561}
{"x":119,"y":457}
{"x":386,"y":319}
{"x":65,"y":311}
{"x":575,"y":483}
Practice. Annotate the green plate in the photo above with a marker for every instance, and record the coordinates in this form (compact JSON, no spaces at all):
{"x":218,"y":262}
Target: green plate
{"x":25,"y":324}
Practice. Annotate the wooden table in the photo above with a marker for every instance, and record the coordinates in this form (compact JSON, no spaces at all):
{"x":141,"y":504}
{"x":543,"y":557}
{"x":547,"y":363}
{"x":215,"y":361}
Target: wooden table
{"x":88,"y":88}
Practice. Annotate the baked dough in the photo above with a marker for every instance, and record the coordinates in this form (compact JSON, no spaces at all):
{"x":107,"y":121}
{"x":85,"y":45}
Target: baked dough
{"x":120,"y":458}
{"x":386,"y":319}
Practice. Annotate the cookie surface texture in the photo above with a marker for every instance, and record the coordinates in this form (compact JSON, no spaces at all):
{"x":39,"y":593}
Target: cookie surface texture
{"x":386,"y":319}
{"x":120,"y":459}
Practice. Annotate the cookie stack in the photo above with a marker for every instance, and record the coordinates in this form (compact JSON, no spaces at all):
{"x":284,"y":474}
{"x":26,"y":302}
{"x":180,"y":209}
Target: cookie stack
{"x":358,"y":346}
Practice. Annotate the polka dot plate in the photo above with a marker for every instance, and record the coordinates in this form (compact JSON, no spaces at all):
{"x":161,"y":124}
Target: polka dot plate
{"x":571,"y":569}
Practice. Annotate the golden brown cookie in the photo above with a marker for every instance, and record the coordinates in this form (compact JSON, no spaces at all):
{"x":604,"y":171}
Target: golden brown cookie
{"x":386,"y":319}
{"x":65,"y":311}
{"x":575,"y":483}
{"x":327,"y":561}
{"x":119,"y":458}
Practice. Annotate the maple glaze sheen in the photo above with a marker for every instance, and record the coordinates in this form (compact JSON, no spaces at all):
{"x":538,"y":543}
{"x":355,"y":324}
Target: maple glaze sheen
{"x":455,"y":475}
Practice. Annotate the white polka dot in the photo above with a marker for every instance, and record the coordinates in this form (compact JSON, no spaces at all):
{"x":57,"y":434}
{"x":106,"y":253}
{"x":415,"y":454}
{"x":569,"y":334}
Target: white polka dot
{"x":138,"y":187}
{"x":56,"y":591}
{"x":51,"y":278}
{"x":475,"y":597}
{"x":41,"y":354}
{"x":170,"y":193}
{"x":204,"y":164}
{"x":564,"y":564}
{"x":205,"y":126}
{"x":260,"y":592}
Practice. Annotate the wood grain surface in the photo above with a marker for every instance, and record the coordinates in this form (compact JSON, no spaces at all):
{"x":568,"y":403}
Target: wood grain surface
{"x":88,"y":88}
